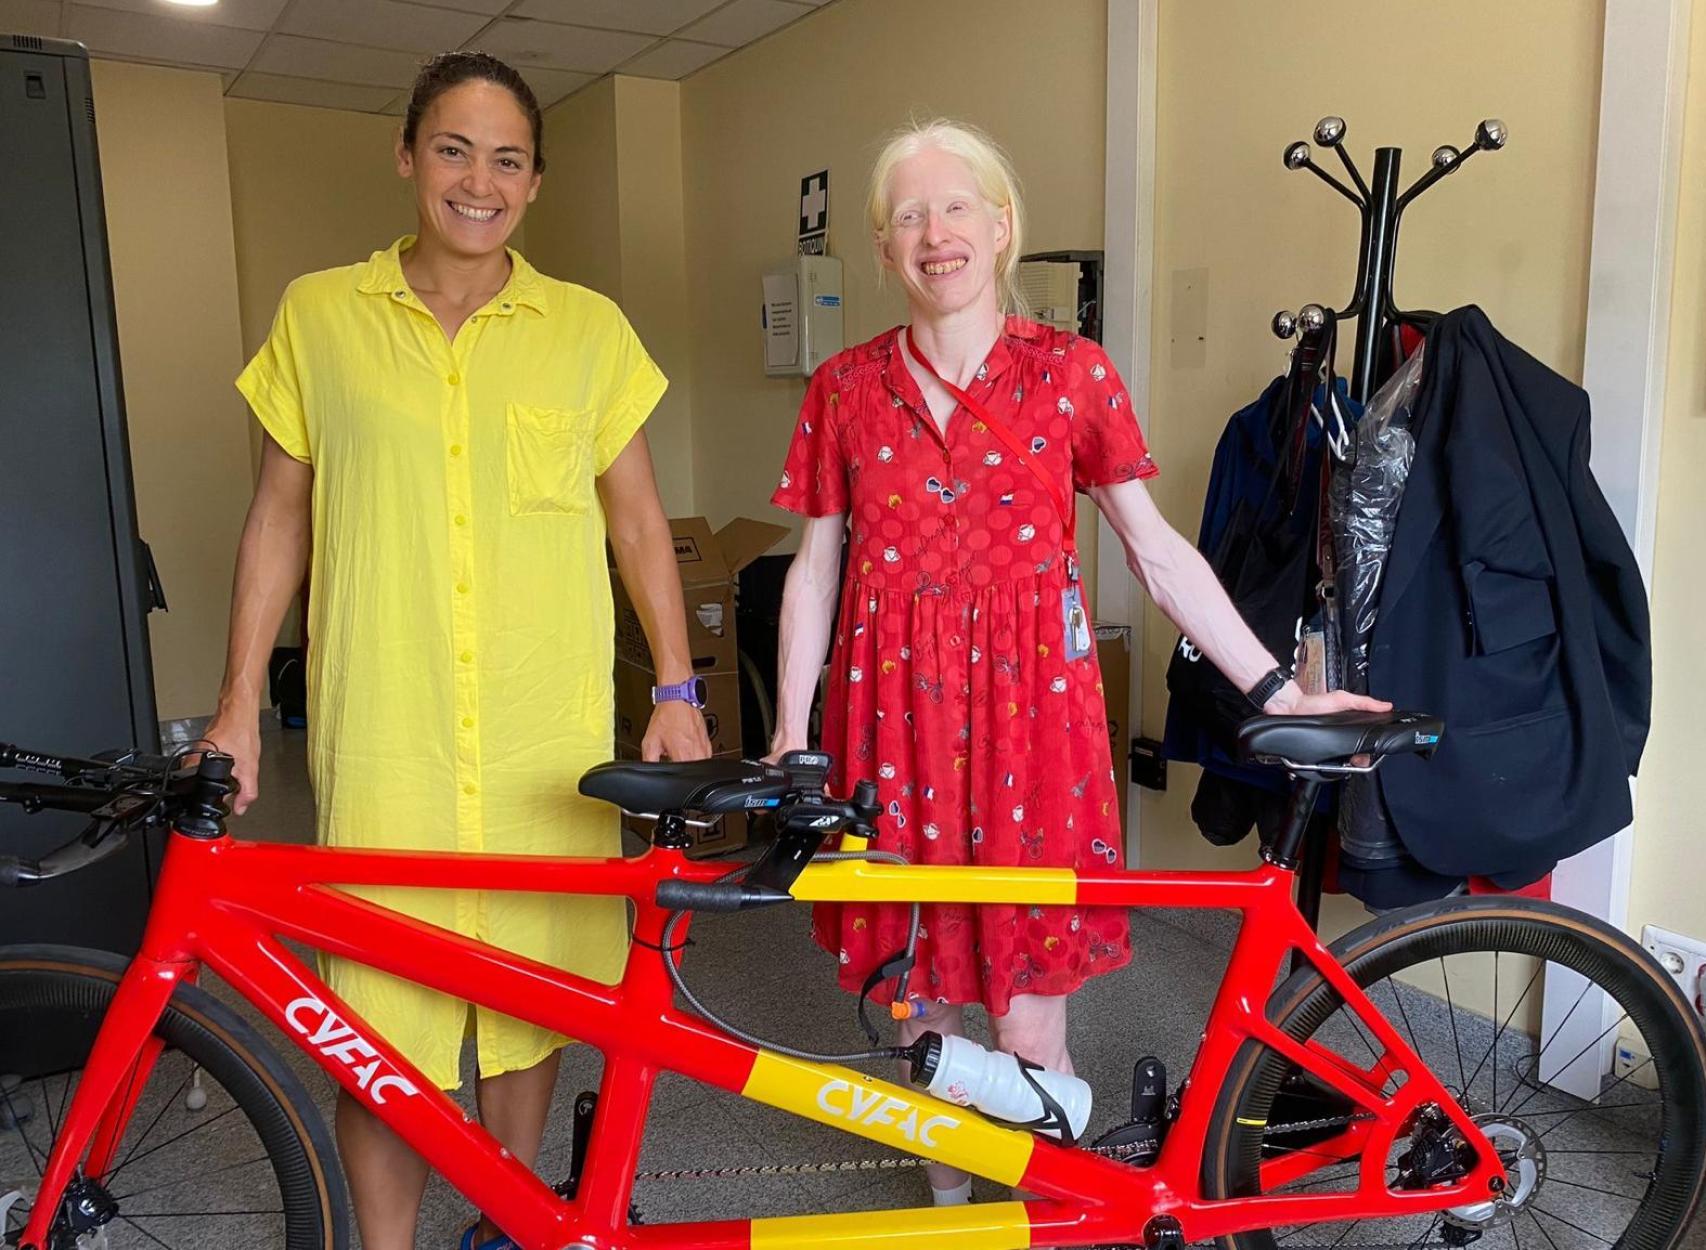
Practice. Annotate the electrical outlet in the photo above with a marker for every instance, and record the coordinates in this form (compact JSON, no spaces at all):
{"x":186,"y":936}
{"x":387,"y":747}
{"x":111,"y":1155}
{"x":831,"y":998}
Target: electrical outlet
{"x":1683,"y":957}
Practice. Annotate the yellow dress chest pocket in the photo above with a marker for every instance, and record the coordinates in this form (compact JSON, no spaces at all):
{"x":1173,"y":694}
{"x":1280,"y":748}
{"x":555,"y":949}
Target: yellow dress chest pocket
{"x":549,"y":460}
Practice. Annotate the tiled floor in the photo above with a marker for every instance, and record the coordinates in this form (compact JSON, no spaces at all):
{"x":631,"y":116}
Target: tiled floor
{"x":764,"y":973}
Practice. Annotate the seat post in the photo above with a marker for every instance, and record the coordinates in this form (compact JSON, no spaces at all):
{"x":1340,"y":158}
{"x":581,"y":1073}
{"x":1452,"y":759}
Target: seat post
{"x":671,"y":833}
{"x":1284,"y":852}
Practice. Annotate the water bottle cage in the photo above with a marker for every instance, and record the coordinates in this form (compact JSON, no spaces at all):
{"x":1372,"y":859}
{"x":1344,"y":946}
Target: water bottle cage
{"x":1053,"y":1119}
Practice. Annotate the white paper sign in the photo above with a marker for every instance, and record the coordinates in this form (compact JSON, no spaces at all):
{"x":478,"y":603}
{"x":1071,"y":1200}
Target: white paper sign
{"x":781,"y":320}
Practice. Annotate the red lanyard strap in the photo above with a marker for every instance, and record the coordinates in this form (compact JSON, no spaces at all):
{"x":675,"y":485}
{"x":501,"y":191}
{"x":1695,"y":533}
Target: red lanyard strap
{"x":1068,"y":515}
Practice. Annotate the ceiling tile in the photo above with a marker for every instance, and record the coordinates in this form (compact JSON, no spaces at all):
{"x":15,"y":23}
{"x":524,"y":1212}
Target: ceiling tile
{"x":382,"y":24}
{"x":329,"y":95}
{"x":528,"y":42}
{"x":654,"y":17}
{"x":674,"y":58}
{"x":489,"y":7}
{"x":398,"y":106}
{"x":167,"y":39}
{"x":30,"y":17}
{"x":297,"y":57}
{"x":551,"y":85}
{"x":743,"y":21}
{"x":248,"y":14}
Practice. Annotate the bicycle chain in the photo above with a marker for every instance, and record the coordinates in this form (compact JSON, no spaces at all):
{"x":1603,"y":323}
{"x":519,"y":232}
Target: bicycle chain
{"x":904,"y":1162}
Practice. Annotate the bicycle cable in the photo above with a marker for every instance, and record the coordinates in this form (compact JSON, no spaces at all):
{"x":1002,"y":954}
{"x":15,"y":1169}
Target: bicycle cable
{"x":752,"y":1039}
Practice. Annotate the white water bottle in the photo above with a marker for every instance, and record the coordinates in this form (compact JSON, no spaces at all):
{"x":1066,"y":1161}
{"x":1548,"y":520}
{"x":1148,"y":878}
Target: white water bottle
{"x":1001,"y":1086}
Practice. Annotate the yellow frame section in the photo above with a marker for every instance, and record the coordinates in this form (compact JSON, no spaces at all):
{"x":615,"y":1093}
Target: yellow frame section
{"x":856,"y":881}
{"x":903,"y":1119}
{"x":976,"y":1226}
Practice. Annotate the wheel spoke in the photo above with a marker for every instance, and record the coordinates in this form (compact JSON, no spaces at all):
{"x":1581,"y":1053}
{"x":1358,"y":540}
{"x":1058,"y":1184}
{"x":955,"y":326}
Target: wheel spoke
{"x":196,"y":1215}
{"x":1599,"y":1106}
{"x":229,"y":1167}
{"x":170,"y":1140}
{"x":151,"y":1237}
{"x":36,"y":1161}
{"x":165,"y":1106}
{"x":1594,"y":1189}
{"x":1493,"y":1050}
{"x":1553,"y":1216}
{"x":1405,"y":1014}
{"x":1547,"y":1044}
{"x":1542,"y":1228}
{"x":1538,"y":1087}
{"x":1426,"y":1232}
{"x":1451,"y":1011}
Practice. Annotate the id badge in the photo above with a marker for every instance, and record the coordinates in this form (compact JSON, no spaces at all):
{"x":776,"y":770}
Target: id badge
{"x":1079,"y":640}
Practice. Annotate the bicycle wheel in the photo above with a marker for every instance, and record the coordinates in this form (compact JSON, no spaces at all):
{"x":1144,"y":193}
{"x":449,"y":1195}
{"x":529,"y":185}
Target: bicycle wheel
{"x":1461,"y":982}
{"x":225,"y":1146}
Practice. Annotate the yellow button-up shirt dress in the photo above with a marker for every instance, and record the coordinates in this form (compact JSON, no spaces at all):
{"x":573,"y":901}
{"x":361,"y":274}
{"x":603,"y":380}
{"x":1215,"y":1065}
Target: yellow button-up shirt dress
{"x":460,"y":621}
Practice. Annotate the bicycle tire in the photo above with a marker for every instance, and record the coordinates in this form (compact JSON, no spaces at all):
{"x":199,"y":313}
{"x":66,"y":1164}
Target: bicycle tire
{"x":74,"y":985}
{"x":1417,"y":936}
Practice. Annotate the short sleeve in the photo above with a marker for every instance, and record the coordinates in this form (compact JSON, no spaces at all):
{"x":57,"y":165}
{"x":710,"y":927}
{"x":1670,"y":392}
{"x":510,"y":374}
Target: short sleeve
{"x":1107,"y":445}
{"x":814,"y":478}
{"x":272,"y":384}
{"x":635,"y":384}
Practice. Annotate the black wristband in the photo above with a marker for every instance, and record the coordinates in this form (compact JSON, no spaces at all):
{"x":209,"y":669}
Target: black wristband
{"x":1270,"y":685}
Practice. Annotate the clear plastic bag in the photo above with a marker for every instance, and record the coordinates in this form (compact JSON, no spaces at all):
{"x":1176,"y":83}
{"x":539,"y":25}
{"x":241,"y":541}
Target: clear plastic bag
{"x":1364,"y":494}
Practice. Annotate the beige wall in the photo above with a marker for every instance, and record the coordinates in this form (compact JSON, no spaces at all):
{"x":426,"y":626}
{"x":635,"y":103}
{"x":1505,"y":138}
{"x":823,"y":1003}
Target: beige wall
{"x":1670,"y":831}
{"x":576,"y":232}
{"x":822,"y":94}
{"x":310,"y":189}
{"x":610,"y":218}
{"x":1510,"y":231}
{"x":654,"y":268}
{"x":168,"y":201}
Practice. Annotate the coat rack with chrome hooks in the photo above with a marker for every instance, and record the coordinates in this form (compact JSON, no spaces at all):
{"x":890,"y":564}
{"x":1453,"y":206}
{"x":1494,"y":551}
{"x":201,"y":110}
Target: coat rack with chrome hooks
{"x":1378,"y":319}
{"x":1382,"y":207}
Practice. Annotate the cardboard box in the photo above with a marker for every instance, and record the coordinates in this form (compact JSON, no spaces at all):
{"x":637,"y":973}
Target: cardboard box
{"x":1113,"y":655}
{"x":634,"y":707}
{"x":709,"y":563}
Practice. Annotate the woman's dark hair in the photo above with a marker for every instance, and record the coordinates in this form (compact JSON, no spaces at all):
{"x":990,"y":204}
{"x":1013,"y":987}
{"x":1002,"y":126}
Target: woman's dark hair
{"x":451,"y":69}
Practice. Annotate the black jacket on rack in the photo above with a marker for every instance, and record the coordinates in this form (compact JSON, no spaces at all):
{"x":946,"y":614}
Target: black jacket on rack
{"x":1512,"y":607}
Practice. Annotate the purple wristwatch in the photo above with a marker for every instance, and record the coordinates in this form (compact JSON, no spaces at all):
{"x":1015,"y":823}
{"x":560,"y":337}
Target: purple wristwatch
{"x":691,"y":692}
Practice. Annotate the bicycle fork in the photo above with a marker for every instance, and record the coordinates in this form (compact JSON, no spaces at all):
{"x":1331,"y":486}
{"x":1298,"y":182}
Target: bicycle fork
{"x":117,"y":1072}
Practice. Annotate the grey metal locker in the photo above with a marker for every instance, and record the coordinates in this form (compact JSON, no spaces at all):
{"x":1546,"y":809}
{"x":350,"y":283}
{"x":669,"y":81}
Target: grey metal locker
{"x":75,"y":578}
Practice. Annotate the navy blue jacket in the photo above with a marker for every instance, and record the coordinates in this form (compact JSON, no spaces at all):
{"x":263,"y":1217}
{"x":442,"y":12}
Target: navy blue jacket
{"x":1512,"y":607}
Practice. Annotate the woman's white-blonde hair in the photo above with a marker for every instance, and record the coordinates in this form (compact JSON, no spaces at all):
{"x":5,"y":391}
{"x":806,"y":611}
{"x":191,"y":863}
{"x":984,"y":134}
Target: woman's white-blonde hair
{"x":991,"y":171}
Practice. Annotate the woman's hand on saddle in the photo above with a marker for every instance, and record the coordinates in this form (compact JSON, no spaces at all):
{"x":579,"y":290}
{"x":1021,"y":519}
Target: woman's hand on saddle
{"x":676,"y":732}
{"x":1291,"y":701}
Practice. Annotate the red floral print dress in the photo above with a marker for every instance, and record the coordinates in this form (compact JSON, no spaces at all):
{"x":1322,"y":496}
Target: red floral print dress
{"x":950,"y":682}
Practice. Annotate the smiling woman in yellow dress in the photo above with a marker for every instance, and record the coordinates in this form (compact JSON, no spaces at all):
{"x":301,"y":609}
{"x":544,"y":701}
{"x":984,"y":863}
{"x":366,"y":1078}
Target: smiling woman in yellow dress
{"x":450,"y":438}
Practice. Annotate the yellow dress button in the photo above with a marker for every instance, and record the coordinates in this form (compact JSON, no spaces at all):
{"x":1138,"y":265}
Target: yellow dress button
{"x":467,"y":722}
{"x":454,"y":379}
{"x":470,"y":788}
{"x":456,"y":449}
{"x":461,"y":588}
{"x":461,"y":520}
{"x":467,"y":657}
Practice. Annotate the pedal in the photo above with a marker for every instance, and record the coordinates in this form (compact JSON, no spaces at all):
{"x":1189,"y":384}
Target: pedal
{"x":586,"y":1103}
